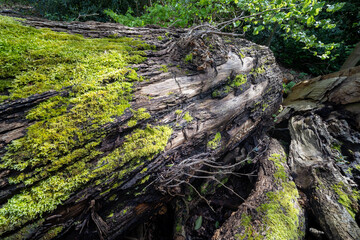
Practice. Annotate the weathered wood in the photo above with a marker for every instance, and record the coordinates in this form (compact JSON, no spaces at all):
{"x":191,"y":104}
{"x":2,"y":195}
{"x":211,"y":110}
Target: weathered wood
{"x":325,"y":145}
{"x":209,"y":102}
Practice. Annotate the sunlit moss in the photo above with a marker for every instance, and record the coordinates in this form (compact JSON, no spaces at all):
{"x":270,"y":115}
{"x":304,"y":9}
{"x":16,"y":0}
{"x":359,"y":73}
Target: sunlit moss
{"x":349,"y":201}
{"x":279,"y":213}
{"x":187,"y":117}
{"x":213,"y":144}
{"x":189,"y":58}
{"x":59,"y":151}
{"x":140,"y":114}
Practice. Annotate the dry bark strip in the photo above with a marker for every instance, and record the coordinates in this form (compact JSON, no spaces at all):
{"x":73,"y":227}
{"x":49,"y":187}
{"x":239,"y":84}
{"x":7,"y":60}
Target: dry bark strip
{"x":323,"y":118}
{"x":239,"y":114}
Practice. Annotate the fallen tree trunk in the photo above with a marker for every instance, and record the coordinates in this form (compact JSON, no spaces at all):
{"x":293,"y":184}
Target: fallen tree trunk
{"x":208,"y":94}
{"x":191,"y":148}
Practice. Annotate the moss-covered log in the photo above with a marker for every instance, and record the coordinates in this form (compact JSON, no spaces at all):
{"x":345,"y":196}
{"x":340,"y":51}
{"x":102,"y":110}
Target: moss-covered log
{"x":109,"y":132}
{"x":92,"y":127}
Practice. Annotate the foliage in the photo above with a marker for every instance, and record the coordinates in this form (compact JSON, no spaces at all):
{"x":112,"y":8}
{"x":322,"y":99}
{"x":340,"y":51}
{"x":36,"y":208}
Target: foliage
{"x":91,"y":9}
{"x":295,"y":18}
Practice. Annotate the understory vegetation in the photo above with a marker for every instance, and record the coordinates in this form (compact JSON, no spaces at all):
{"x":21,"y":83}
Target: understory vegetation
{"x":314,"y":36}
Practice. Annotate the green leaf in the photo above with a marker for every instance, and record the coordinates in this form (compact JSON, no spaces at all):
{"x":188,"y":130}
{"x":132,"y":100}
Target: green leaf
{"x":258,"y":29}
{"x":198,"y":223}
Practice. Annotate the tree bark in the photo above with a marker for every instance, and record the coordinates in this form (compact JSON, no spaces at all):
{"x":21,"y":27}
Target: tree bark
{"x":353,"y":59}
{"x":202,"y":88}
{"x":222,"y":170}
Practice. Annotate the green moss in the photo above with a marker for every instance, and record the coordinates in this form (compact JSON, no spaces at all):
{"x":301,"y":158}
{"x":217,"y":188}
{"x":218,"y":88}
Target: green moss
{"x":160,"y":38}
{"x":280,"y":215}
{"x":164,"y":68}
{"x":213,"y":144}
{"x":178,"y":112}
{"x":187,"y":117}
{"x":336,"y":147}
{"x":349,"y":201}
{"x":189,"y":58}
{"x":238,"y":81}
{"x":138,"y":115}
{"x":250,"y":233}
{"x":113,"y":197}
{"x":258,"y":71}
{"x":58,"y":151}
{"x":52,"y":233}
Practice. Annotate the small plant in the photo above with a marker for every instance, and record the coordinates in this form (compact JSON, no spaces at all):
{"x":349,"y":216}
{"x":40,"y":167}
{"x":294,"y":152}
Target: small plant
{"x":178,"y":112}
{"x":287,"y":87}
{"x":160,"y":38}
{"x":164,"y":68}
{"x":189,"y":58}
{"x":213,"y":144}
{"x":187,"y":117}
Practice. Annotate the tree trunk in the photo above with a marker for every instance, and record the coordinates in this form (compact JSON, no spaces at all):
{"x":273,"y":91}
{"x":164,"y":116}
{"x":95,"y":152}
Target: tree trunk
{"x":211,"y":102}
{"x":214,"y":102}
{"x":353,"y":59}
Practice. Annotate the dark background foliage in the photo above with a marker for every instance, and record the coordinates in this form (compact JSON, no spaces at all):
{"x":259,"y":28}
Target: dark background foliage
{"x":185,"y":13}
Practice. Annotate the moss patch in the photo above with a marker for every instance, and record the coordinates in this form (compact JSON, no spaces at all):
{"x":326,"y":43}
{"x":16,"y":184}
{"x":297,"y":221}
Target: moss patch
{"x":213,"y":144}
{"x":187,"y":117}
{"x":58,"y":154}
{"x":349,"y":201}
{"x":280,"y":216}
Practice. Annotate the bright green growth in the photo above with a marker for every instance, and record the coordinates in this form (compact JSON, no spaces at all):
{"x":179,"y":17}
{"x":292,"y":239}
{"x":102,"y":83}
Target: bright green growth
{"x":189,"y":58}
{"x":58,"y":150}
{"x":213,"y":144}
{"x":49,"y":193}
{"x":140,"y":114}
{"x":249,"y":233}
{"x":238,"y":81}
{"x":281,"y":213}
{"x":142,"y":143}
{"x":160,"y":38}
{"x":164,"y":68}
{"x":53,"y":107}
{"x":178,"y":112}
{"x":187,"y":117}
{"x":36,"y":61}
{"x":349,"y":201}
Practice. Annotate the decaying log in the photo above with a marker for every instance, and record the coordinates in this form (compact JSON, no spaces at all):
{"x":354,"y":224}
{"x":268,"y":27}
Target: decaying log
{"x":325,"y":145}
{"x":322,"y":115}
{"x":272,"y":211}
{"x":216,"y":97}
{"x":221,"y":99}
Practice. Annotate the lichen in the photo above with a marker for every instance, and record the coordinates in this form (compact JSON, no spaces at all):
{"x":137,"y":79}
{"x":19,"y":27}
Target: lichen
{"x":59,"y":151}
{"x":213,"y":144}
{"x":349,"y":201}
